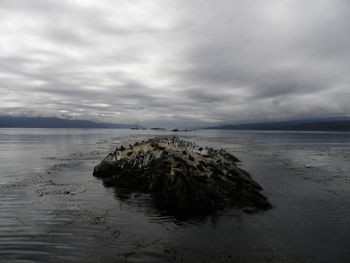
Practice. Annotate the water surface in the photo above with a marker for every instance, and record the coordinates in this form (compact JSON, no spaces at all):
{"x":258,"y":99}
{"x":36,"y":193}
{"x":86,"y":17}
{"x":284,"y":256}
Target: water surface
{"x":53,"y":210}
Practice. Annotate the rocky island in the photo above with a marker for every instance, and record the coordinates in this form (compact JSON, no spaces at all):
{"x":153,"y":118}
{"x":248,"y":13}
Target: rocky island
{"x":182,"y":176}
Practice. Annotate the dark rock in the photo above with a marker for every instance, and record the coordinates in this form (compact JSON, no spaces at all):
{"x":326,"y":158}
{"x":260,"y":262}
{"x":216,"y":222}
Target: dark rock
{"x":122,"y":148}
{"x":182,"y":176}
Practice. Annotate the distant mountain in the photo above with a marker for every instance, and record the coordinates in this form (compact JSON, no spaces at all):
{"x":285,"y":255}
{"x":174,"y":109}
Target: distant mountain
{"x":51,"y":122}
{"x":327,"y":124}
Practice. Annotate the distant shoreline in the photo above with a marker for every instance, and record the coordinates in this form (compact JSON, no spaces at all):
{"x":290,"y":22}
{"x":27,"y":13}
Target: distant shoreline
{"x":339,"y":126}
{"x":170,"y":130}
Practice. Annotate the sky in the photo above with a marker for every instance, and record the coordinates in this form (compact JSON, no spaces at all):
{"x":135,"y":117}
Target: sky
{"x":175,"y":62}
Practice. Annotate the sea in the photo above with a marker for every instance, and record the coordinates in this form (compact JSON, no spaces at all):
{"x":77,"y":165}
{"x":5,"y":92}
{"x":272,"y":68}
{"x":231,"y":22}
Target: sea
{"x":52,"y":209}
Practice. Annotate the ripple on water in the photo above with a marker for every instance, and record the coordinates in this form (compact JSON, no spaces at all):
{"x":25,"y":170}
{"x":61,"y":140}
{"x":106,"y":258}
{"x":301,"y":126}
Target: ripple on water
{"x":76,"y":219}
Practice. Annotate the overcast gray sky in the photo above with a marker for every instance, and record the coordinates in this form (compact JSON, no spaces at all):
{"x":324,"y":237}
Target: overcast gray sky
{"x":175,"y":62}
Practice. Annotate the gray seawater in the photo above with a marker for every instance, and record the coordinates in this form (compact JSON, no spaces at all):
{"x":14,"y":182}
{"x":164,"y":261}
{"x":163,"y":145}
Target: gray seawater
{"x":53,"y":210}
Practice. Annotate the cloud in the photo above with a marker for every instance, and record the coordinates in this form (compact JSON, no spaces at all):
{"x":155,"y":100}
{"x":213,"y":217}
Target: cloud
{"x":183,"y":63}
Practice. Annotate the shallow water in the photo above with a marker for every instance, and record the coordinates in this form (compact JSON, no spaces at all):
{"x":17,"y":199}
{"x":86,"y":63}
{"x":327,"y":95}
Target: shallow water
{"x":53,"y":210}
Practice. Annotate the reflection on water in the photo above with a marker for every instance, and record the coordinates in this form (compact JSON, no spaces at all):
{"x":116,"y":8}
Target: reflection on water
{"x":53,"y":210}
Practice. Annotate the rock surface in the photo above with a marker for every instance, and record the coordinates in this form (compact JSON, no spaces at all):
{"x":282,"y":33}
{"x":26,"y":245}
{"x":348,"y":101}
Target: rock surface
{"x":182,"y":176}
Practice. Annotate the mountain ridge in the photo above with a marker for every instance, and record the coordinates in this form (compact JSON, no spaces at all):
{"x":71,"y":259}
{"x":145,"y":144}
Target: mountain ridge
{"x":54,"y":122}
{"x":325,"y":124}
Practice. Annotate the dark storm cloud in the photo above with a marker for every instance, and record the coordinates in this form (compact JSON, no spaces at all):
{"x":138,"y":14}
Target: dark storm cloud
{"x":183,"y":63}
